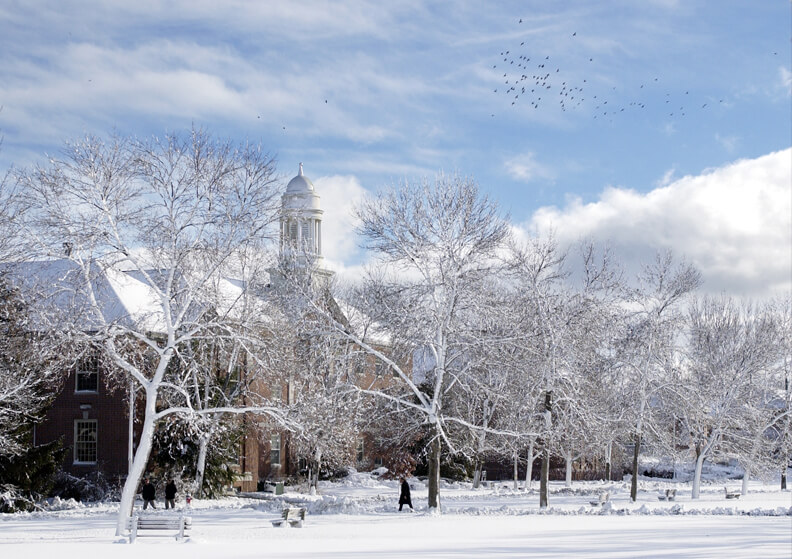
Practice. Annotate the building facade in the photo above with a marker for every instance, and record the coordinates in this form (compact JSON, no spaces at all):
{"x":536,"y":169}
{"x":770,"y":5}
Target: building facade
{"x":91,"y":414}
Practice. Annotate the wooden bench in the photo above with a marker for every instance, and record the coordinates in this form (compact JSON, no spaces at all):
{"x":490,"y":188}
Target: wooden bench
{"x":158,"y":525}
{"x":290,"y":517}
{"x":603,"y":498}
{"x":668,"y":494}
{"x":731,"y":494}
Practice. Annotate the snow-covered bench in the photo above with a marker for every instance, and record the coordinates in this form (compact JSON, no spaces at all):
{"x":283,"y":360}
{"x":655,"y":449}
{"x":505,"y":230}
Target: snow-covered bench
{"x":731,"y":494}
{"x":603,"y":498}
{"x":290,"y":517}
{"x":668,"y":494}
{"x":158,"y":525}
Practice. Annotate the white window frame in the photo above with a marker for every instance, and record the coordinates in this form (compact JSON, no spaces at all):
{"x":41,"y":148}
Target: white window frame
{"x":79,"y":444}
{"x":86,"y":367}
{"x":275,"y":450}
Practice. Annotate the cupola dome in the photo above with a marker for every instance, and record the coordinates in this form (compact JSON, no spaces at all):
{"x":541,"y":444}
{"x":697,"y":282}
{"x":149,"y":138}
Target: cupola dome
{"x":300,"y":184}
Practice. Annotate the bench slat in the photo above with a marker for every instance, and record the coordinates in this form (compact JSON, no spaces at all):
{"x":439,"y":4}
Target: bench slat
{"x":138,"y":523}
{"x":290,"y":516}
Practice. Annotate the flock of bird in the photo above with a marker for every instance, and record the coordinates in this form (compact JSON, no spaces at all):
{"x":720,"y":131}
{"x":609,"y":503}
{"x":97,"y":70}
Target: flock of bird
{"x":541,"y":82}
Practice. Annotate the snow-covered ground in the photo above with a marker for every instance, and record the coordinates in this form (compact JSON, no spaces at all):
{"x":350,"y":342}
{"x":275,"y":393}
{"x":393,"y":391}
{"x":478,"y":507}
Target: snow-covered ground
{"x":359,"y":518}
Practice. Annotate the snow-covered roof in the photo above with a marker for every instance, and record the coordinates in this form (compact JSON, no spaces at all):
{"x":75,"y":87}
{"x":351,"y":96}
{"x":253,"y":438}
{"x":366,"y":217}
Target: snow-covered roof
{"x":58,"y":286}
{"x":59,"y":293}
{"x":363,"y":325}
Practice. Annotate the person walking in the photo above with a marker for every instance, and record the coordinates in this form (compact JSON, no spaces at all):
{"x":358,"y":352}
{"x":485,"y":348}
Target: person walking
{"x":148,"y":493}
{"x":404,"y":496}
{"x":170,"y":495}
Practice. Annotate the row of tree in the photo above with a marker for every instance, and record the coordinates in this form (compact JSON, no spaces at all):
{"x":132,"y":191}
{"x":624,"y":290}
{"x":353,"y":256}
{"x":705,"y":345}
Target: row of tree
{"x":460,"y":343}
{"x":499,"y":348}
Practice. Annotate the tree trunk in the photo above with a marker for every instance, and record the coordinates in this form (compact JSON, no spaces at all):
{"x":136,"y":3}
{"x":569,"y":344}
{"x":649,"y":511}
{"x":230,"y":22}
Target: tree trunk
{"x":131,"y":427}
{"x":697,"y":473}
{"x":480,"y":446}
{"x":314,"y":481}
{"x":783,"y":480}
{"x":568,"y":477}
{"x":545,"y":478}
{"x":516,"y":471}
{"x":138,"y":464}
{"x":200,"y":467}
{"x":477,"y":473}
{"x":634,"y":481}
{"x":529,"y":466}
{"x":608,"y":453}
{"x":434,"y":472}
{"x":746,"y":478}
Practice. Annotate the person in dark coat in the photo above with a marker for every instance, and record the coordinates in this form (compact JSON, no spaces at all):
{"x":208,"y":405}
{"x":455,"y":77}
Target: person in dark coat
{"x":148,"y":493}
{"x":404,"y":496}
{"x":170,"y":495}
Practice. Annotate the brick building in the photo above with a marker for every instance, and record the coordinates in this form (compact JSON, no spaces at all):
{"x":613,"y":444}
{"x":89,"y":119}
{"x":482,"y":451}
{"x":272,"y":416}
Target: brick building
{"x":91,"y":413}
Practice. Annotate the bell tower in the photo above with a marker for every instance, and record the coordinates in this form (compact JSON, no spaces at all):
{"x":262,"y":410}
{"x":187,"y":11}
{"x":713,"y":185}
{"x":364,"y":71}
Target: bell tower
{"x":301,"y":222}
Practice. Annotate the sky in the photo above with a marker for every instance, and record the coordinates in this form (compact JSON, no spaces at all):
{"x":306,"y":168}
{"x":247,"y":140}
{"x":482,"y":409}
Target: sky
{"x":653,"y":125}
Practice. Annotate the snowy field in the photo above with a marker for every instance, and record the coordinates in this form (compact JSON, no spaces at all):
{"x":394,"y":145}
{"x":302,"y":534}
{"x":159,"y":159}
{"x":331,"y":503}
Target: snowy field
{"x":359,"y":518}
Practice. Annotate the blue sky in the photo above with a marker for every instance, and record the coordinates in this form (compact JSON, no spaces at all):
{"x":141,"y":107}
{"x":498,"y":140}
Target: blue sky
{"x":366,"y":94}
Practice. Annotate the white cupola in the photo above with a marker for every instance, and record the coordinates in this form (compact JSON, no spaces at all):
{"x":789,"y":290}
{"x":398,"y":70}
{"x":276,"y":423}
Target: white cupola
{"x":301,"y":221}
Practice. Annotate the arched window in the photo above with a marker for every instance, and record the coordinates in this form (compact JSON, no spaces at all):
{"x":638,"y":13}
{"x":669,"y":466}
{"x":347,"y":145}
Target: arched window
{"x":307,"y":235}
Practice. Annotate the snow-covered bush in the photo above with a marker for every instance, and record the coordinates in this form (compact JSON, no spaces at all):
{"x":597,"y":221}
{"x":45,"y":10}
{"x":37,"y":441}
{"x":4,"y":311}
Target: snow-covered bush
{"x":29,"y":476}
{"x":91,"y":488}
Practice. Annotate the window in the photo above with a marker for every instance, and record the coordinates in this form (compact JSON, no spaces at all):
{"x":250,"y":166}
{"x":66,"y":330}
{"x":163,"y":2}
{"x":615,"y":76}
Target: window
{"x":307,"y":236}
{"x":276,"y":392}
{"x":275,"y":450}
{"x":85,"y":441}
{"x":87,"y":374}
{"x":360,"y":449}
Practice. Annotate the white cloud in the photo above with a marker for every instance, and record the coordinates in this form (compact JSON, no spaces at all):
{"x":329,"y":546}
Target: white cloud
{"x":668,"y":178}
{"x":728,"y":142}
{"x":785,"y":78}
{"x":339,"y":195}
{"x":525,"y":168}
{"x":734,"y":223}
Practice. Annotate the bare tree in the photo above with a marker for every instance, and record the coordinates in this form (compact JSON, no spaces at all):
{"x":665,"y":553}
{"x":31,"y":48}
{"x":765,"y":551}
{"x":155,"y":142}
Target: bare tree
{"x":560,"y":331}
{"x":648,"y":345}
{"x":169,"y":218}
{"x":325,"y":403}
{"x":488,"y":394}
{"x":731,"y":352}
{"x":439,"y":241}
{"x":782,"y":383}
{"x":31,"y":362}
